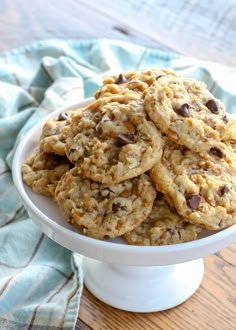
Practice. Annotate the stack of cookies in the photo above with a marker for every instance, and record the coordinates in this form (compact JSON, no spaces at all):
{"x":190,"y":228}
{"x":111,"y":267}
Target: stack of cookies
{"x":151,"y":159}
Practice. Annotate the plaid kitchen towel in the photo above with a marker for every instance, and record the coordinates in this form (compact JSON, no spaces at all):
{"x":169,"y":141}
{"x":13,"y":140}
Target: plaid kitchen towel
{"x":40,"y":281}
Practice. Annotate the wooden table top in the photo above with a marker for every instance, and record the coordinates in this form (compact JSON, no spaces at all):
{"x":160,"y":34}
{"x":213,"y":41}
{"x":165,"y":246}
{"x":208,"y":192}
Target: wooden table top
{"x":213,"y":306}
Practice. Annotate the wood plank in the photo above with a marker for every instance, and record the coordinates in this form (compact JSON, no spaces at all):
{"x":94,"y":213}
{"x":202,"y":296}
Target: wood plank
{"x":191,"y":28}
{"x":21,"y":23}
{"x":81,"y":326}
{"x":213,"y":306}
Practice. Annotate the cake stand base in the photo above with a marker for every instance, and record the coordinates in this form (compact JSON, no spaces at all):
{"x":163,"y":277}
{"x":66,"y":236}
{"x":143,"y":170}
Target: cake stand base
{"x":142,"y":289}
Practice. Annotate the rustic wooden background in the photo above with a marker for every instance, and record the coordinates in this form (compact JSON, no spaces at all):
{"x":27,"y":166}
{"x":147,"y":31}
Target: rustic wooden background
{"x":22,"y":22}
{"x":202,"y":29}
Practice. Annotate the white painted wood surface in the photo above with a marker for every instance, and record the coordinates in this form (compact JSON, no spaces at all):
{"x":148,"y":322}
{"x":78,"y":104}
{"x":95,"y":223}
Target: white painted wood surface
{"x":197,"y":28}
{"x":202,"y":29}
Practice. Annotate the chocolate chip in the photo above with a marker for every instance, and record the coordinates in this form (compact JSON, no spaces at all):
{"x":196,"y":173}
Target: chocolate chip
{"x":121,"y":79}
{"x":62,"y":116}
{"x":124,"y":139}
{"x":212,"y":106}
{"x":159,"y":194}
{"x":193,"y":201}
{"x":223,"y":190}
{"x":183,"y":110}
{"x":216,"y":152}
{"x":225,"y":119}
{"x":158,"y":77}
{"x":117,"y":206}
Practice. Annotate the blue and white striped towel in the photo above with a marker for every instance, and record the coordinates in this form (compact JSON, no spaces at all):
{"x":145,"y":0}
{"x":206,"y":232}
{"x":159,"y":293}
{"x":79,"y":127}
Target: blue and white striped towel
{"x":41,"y":282}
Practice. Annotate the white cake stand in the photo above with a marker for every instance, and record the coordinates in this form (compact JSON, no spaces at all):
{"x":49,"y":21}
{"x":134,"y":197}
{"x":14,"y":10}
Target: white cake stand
{"x":132,"y":278}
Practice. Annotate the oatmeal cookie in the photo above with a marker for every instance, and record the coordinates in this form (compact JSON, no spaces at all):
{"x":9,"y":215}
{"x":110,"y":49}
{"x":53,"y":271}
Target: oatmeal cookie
{"x":52,"y":139}
{"x":133,"y":83}
{"x":162,"y":227}
{"x":202,"y":187}
{"x":113,"y":139}
{"x":42,"y":171}
{"x":104,"y":211}
{"x":184,"y":110}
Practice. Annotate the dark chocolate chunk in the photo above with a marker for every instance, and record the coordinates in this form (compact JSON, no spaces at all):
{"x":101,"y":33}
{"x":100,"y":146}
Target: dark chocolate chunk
{"x":159,"y":194}
{"x":124,"y":139}
{"x":193,"y":201}
{"x":62,"y":116}
{"x":121,"y":79}
{"x":158,"y":77}
{"x":223,"y":191}
{"x":217,"y":152}
{"x":212,"y":106}
{"x":183,"y":110}
{"x":225,"y":119}
{"x":117,"y":206}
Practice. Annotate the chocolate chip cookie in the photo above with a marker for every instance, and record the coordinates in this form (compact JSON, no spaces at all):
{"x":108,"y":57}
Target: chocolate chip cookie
{"x":104,"y":211}
{"x":162,"y":227}
{"x":184,"y":110}
{"x":202,"y":187}
{"x":42,"y":171}
{"x":133,"y":83}
{"x":113,"y":139}
{"x":52,"y":139}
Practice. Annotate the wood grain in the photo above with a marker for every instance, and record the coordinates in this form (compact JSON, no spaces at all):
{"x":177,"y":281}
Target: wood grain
{"x":213,"y":306}
{"x":22,"y":23}
{"x":202,"y":31}
{"x":193,"y":28}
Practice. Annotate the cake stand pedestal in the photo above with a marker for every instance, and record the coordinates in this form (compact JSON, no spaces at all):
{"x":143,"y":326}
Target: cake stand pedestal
{"x":143,"y":289}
